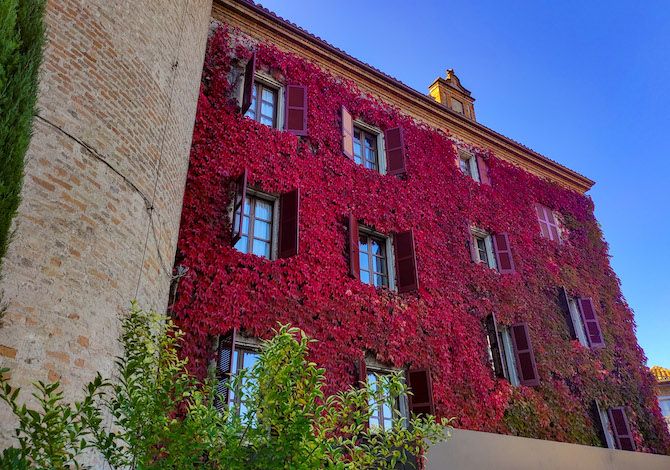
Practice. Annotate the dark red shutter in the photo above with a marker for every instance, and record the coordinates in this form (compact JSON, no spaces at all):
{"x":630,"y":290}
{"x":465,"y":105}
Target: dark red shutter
{"x":483,"y":171}
{"x":564,"y":302}
{"x":395,"y":151}
{"x":525,"y":358}
{"x":419,"y":383}
{"x":503,"y":253}
{"x":405,"y":261}
{"x":289,"y":209}
{"x":496,"y":349}
{"x":224,"y":367}
{"x":296,"y":110}
{"x":470,"y":243}
{"x":347,"y":133}
{"x":362,"y":372}
{"x":591,"y":324}
{"x":240,"y":196}
{"x":622,"y":435}
{"x":248,"y":90}
{"x":354,"y":253}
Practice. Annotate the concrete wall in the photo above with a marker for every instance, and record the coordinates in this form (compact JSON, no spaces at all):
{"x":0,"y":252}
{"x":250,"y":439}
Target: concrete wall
{"x":470,"y":450}
{"x":104,"y":183}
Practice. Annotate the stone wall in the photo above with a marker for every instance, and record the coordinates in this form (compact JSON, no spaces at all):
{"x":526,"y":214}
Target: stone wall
{"x":104,"y":183}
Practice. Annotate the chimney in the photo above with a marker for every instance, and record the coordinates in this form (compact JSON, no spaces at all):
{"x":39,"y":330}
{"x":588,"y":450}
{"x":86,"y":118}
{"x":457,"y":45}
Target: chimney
{"x":452,"y":94}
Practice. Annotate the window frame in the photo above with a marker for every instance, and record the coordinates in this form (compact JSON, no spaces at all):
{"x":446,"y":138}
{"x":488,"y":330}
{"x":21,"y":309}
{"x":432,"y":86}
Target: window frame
{"x":274,"y":240}
{"x":510,"y":370}
{"x":576,"y":316}
{"x":375,"y":367}
{"x":381,"y":145}
{"x":477,"y":233}
{"x":390,"y":256}
{"x":471,"y":160}
{"x":267,"y":81}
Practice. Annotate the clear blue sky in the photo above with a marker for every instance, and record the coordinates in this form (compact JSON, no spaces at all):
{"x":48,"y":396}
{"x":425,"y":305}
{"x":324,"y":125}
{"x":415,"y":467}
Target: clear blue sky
{"x":583,"y":82}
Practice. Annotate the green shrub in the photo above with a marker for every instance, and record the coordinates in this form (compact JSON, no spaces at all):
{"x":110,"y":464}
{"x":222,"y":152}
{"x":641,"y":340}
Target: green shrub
{"x":161,"y":417}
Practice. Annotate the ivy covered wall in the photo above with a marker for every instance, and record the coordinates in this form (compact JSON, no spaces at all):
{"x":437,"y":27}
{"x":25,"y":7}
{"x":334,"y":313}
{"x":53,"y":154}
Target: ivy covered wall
{"x":441,"y":325}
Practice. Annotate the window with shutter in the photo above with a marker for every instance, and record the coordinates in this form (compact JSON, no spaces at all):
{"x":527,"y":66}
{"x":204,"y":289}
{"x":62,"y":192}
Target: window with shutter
{"x":406,"y":272}
{"x":255,"y":223}
{"x":591,"y":324}
{"x":289,"y":223}
{"x":524,"y":355}
{"x":224,"y":367}
{"x":263,"y":100}
{"x":548,"y":225}
{"x":600,"y":420}
{"x":420,"y":384}
{"x":395,"y":152}
{"x":295,"y":120}
{"x":572,"y":315}
{"x":621,"y":429}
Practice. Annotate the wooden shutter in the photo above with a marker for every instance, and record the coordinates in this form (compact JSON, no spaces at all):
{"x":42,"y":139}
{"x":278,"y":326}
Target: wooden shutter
{"x":347,"y":133}
{"x":483,"y":171}
{"x":548,"y":224}
{"x":503,"y":253}
{"x":470,"y":243}
{"x":523,"y":352}
{"x":354,"y":253}
{"x":564,"y":302}
{"x":289,"y":209}
{"x":238,"y":205}
{"x":419,"y":383}
{"x":395,"y":151}
{"x":591,"y":324}
{"x":296,"y":110}
{"x":224,"y":367}
{"x":248,"y":89}
{"x":405,"y":262}
{"x":362,"y":370}
{"x":496,"y":349}
{"x":620,"y":428}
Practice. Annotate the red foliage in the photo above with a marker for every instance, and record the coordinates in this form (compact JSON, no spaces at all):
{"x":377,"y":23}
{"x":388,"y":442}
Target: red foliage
{"x":441,"y":325}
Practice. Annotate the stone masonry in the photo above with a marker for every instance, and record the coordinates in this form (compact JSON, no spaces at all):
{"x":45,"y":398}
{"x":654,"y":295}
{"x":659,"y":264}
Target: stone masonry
{"x":104,"y":184}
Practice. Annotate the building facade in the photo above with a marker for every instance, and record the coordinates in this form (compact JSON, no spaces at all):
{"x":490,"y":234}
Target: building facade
{"x":402,"y":235}
{"x":663,"y":378}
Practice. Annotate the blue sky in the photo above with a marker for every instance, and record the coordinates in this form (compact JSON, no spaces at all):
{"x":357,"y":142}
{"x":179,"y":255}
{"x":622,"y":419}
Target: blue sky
{"x":584,"y":83}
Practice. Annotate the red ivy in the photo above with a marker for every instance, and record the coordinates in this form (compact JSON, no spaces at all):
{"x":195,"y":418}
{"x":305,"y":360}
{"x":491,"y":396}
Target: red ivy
{"x":441,"y":325}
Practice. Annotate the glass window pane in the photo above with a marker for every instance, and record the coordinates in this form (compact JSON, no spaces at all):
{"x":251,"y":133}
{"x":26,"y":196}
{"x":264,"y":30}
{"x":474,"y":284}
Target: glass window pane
{"x":247,"y":205}
{"x":380,"y":265}
{"x":245,"y":225}
{"x":234,"y":364}
{"x":263,"y":210}
{"x":357,"y":149}
{"x":242,"y":244}
{"x":267,"y":109}
{"x":249,"y":359}
{"x":267,"y":121}
{"x":262,"y":229}
{"x":378,"y":247}
{"x":370,"y":141}
{"x":380,"y":280}
{"x":261,"y":248}
{"x":365,"y":277}
{"x":364,"y":260}
{"x":268,"y":95}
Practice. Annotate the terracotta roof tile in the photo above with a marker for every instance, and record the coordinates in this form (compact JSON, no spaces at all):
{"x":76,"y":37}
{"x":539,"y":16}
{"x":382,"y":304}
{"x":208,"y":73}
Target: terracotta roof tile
{"x":661,"y":374}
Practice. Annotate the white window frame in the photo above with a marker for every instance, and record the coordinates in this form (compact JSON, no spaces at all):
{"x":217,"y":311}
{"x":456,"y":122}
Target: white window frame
{"x":274,"y":200}
{"x":374,"y":366}
{"x":576,"y":316}
{"x":390,"y":254}
{"x":472,"y":162}
{"x":267,"y":80}
{"x":488,"y":241}
{"x":381,"y":146}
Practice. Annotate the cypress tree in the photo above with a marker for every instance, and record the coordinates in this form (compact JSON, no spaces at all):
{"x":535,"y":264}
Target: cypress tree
{"x":21,"y":41}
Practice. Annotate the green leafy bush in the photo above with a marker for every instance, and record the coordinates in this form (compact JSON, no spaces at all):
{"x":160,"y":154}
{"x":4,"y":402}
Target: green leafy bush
{"x":158,"y":416}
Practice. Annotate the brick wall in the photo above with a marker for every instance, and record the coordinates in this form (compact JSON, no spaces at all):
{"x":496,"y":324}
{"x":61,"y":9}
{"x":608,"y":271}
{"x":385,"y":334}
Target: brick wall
{"x":104,"y":183}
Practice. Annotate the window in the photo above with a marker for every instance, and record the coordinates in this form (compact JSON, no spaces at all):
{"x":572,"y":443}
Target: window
{"x":473,"y":166}
{"x":549,"y":227}
{"x":483,"y":248}
{"x":366,"y":149}
{"x":576,"y":317}
{"x":582,"y":319}
{"x":384,"y":411}
{"x":373,"y":259}
{"x":510,"y":352}
{"x":257,"y":226}
{"x":457,"y":106}
{"x":264,"y":105}
{"x":242,"y":359}
{"x":664,"y":403}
